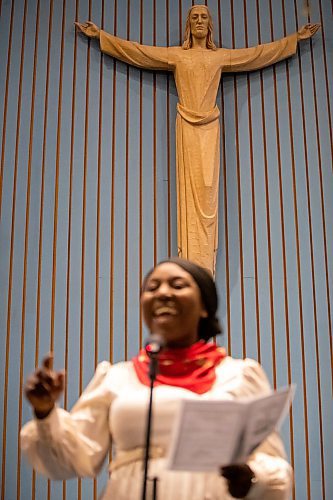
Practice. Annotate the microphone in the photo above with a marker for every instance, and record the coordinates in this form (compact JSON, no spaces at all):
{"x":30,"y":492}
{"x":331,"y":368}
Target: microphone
{"x":154,"y":345}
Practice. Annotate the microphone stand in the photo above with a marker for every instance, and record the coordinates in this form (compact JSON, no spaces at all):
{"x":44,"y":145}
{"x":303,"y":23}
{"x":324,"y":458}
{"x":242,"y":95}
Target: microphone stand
{"x":153,"y":367}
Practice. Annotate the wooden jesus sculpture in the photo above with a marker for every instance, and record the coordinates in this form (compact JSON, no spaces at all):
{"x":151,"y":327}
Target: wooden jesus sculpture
{"x":197,"y":67}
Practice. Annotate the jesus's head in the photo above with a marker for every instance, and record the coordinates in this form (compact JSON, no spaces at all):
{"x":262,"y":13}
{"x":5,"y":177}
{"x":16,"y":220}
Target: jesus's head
{"x":199,"y":25}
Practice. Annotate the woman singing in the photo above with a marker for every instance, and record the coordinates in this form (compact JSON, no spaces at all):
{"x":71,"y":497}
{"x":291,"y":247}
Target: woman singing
{"x":179,"y":302}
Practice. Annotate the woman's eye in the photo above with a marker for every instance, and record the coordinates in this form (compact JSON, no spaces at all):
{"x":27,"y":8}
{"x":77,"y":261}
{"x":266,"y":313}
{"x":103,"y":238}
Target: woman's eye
{"x":151,"y":287}
{"x":179,"y":285}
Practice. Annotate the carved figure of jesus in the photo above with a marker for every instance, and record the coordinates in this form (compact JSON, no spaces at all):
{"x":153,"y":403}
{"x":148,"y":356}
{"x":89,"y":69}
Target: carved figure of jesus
{"x":197,"y":67}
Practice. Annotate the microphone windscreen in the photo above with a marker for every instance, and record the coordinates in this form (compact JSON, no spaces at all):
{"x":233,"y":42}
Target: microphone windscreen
{"x":154,"y":344}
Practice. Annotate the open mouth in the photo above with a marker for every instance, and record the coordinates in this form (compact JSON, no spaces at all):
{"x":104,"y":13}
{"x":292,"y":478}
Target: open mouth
{"x":164,"y":311}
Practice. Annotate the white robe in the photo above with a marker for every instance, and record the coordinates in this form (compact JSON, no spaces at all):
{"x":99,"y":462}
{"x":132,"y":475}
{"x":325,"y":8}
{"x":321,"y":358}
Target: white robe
{"x":69,"y":444}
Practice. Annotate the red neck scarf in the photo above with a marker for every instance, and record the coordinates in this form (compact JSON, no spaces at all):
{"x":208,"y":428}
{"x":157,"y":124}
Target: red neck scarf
{"x":191,"y":368}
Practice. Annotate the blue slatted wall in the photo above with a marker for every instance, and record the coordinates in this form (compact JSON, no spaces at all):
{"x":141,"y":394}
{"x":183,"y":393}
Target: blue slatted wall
{"x":88,"y":205}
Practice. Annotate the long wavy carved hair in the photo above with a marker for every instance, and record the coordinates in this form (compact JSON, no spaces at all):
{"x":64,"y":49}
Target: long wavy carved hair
{"x":188,"y":36}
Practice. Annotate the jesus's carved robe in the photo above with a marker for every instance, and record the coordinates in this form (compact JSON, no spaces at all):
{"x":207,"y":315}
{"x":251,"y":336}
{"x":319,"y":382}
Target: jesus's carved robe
{"x":197,"y":74}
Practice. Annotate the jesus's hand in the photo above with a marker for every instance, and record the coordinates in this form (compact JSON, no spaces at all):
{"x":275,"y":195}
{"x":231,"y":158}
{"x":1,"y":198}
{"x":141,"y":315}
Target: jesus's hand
{"x":307,"y":31}
{"x":88,"y":28}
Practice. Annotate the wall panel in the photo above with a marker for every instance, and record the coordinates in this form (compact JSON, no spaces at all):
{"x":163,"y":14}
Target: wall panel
{"x":88,"y":205}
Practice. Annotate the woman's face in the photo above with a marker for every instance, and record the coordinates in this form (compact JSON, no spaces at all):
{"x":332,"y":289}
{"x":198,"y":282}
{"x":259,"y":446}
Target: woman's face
{"x":172,"y":305}
{"x":199,"y":21}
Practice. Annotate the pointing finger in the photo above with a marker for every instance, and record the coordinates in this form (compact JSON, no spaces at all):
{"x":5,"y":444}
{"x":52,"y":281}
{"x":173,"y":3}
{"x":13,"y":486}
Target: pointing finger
{"x":48,"y":361}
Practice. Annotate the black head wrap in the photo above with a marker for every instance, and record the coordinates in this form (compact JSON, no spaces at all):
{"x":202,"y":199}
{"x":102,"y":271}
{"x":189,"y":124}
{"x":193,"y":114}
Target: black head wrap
{"x":210,"y":326}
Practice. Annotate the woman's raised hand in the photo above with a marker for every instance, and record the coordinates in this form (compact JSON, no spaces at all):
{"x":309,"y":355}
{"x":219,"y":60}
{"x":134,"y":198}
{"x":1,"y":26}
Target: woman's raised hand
{"x":88,"y":28}
{"x":44,"y":387}
{"x":307,"y":31}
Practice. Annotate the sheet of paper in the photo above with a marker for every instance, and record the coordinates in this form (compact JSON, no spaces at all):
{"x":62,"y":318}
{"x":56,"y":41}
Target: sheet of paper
{"x":210,"y":434}
{"x":200,"y":424}
{"x":264,"y":416}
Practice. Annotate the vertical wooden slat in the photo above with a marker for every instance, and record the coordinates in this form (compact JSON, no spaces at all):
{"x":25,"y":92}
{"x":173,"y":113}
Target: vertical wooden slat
{"x":41,"y":221}
{"x":83,"y":238}
{"x":154,"y":142}
{"x":70,"y":207}
{"x":240,"y":224}
{"x":268,"y":220}
{"x":56,"y":184}
{"x":253,"y":199}
{"x":98,"y":216}
{"x":98,"y":210}
{"x":225,"y":195}
{"x":41,"y":216}
{"x":5,"y":108}
{"x":11,"y":260}
{"x":26,"y":244}
{"x":113,"y":157}
{"x":127,"y":145}
{"x":168,"y":132}
{"x":70,"y":203}
{"x":112,"y":204}
{"x":140,"y":181}
{"x":180,"y":22}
